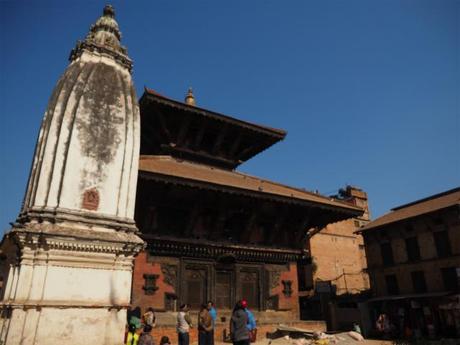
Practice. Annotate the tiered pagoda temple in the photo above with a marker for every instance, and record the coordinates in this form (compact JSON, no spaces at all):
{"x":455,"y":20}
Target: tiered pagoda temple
{"x":214,"y":233}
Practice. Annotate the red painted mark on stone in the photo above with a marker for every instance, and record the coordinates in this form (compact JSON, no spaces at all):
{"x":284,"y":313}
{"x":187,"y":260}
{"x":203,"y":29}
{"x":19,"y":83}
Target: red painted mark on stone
{"x":91,"y":199}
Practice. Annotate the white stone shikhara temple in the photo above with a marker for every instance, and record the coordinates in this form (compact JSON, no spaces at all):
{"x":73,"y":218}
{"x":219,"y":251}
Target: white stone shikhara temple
{"x":67,"y":261}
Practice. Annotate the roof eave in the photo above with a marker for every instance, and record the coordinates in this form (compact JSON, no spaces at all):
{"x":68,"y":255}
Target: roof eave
{"x":276,"y":133}
{"x":350,"y":210}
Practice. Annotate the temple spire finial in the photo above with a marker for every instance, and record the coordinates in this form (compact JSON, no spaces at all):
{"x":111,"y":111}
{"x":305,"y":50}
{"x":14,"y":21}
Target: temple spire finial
{"x":104,"y":36}
{"x":109,"y":11}
{"x":190,"y":98}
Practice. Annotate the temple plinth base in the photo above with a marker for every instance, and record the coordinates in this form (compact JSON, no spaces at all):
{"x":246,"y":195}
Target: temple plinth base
{"x":66,"y":286}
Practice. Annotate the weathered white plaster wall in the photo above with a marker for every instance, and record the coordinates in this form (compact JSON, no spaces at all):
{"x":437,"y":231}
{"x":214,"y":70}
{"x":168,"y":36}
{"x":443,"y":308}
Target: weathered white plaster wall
{"x":89,"y":139}
{"x":54,"y":326}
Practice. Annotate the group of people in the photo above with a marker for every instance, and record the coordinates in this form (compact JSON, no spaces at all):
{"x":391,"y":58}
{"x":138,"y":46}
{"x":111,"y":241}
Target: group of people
{"x":140,"y":329}
{"x":242,"y":326}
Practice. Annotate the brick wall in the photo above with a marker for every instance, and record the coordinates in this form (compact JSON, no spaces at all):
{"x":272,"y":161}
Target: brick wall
{"x":139,"y":298}
{"x":288,"y":302}
{"x":339,"y":253}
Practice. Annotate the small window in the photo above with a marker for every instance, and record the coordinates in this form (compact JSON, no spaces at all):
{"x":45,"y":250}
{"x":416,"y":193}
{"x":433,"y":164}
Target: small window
{"x":418,"y":281}
{"x":357,"y":224}
{"x":150,"y":283}
{"x":412,"y":248}
{"x":387,"y":254}
{"x":441,"y":241}
{"x":449,"y":277}
{"x":392,"y":284}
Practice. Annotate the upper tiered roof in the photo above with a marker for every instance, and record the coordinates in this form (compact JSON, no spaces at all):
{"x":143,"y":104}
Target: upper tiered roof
{"x":186,"y":131}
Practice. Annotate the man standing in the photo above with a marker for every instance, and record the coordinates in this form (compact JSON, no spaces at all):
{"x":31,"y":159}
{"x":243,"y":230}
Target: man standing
{"x":213,"y":313}
{"x":251,"y":325}
{"x":205,"y":326}
{"x":184,"y":323}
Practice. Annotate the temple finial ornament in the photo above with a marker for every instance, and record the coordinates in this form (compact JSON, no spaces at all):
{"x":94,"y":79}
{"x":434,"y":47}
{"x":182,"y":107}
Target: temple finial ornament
{"x":104,"y":37}
{"x":109,"y":11}
{"x":190,"y":98}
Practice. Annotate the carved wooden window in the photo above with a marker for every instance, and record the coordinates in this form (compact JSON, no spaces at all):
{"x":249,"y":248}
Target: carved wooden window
{"x":150,"y":283}
{"x":287,"y":288}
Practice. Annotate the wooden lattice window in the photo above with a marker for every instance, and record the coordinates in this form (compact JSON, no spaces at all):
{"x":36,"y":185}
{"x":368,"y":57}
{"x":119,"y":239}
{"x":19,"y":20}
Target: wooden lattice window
{"x":287,"y":290}
{"x":150,"y":283}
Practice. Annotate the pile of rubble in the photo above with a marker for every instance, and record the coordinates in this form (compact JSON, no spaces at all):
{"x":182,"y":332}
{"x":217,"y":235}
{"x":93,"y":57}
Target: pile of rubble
{"x":294,"y":336}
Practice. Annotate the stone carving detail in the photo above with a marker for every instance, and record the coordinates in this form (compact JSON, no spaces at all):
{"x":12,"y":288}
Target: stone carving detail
{"x":91,"y":200}
{"x":169,"y":274}
{"x":287,"y":290}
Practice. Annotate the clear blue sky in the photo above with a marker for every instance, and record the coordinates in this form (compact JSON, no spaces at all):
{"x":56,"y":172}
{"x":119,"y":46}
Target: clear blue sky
{"x":367,"y":90}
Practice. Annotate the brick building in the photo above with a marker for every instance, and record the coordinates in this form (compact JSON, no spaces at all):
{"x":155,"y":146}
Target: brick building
{"x":214,"y":233}
{"x":413,"y":255}
{"x":338,"y":251}
{"x":339,"y":275}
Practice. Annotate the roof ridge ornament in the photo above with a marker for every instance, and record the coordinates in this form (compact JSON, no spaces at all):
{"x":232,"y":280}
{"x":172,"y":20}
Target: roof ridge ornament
{"x":190,"y":98}
{"x":104,"y":37}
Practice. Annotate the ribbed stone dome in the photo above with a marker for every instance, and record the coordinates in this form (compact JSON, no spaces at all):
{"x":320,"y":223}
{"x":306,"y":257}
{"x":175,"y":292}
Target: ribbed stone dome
{"x":86,"y":158}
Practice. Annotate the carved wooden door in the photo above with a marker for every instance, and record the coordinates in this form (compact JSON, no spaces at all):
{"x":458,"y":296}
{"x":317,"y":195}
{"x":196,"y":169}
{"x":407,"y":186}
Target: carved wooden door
{"x":223,"y":289}
{"x":194,"y":287}
{"x":249,"y":287}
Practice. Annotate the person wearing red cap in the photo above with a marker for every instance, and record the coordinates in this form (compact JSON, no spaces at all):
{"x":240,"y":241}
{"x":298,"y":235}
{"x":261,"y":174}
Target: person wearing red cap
{"x":251,"y":325}
{"x":239,"y":332}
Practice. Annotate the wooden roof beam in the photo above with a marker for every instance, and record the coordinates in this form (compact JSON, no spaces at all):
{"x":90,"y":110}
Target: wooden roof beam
{"x":220,"y":139}
{"x":183,"y":131}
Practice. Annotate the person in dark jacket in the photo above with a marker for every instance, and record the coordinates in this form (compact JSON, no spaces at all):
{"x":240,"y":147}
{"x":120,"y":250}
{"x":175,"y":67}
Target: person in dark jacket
{"x":239,"y":332}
